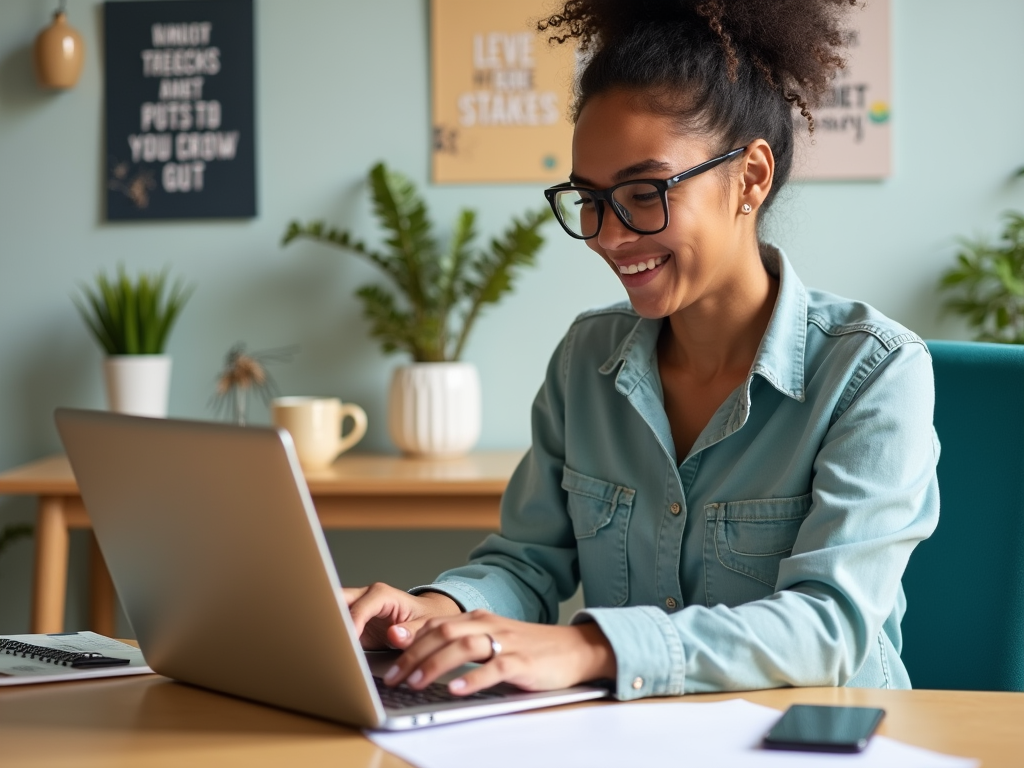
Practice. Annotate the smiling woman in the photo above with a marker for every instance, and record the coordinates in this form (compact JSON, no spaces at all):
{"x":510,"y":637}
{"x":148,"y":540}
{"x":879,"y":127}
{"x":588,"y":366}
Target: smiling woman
{"x":735,"y":467}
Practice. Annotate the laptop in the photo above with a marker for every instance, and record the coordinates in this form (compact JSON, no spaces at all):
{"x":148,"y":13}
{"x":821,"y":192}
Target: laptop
{"x":221,"y":565}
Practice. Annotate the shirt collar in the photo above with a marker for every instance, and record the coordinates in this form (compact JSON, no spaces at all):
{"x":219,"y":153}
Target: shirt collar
{"x":779,"y":359}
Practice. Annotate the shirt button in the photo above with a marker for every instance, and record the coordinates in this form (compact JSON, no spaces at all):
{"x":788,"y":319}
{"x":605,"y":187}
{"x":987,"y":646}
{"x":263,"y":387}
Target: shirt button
{"x":675,"y":508}
{"x":638,"y":683}
{"x":670,"y":602}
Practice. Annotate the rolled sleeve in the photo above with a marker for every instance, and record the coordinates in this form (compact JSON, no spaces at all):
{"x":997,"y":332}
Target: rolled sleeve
{"x":648,"y":650}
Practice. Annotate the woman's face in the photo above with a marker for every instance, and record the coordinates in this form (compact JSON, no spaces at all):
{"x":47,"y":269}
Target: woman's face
{"x":705,"y":246}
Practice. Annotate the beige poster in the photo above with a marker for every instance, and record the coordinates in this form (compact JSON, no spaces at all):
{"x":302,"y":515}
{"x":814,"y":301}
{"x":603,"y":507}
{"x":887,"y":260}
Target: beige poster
{"x":500,"y":94}
{"x":852,"y":137}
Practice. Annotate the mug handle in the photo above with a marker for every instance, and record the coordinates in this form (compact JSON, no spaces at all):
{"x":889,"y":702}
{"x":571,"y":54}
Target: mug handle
{"x":358,"y":416}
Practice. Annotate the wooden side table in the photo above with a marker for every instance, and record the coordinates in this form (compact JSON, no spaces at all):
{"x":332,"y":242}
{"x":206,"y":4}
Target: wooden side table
{"x":368,"y":492}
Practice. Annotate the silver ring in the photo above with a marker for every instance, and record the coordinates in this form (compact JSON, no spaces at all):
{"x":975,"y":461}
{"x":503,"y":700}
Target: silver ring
{"x":495,"y":647}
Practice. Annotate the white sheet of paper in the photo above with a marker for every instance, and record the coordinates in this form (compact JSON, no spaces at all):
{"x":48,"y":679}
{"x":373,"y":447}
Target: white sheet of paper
{"x":15,"y":670}
{"x":723,"y":734}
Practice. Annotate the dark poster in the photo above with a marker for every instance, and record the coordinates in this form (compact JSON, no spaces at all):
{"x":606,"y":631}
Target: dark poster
{"x":180,"y":115}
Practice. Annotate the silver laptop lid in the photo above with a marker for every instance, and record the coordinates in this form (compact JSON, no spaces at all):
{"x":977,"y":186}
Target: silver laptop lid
{"x":218,"y":558}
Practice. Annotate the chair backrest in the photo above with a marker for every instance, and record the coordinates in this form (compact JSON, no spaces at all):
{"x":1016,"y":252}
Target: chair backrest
{"x":964,"y":626}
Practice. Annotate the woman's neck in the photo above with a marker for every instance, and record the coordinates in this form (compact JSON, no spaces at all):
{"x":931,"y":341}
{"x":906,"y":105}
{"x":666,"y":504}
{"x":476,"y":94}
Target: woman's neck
{"x":721,"y":332}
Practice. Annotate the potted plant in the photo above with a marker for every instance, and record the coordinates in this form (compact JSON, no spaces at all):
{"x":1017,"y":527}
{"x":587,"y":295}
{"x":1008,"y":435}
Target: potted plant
{"x":131,"y":320}
{"x":987,"y":284}
{"x":434,"y":403}
{"x":12,"y":533}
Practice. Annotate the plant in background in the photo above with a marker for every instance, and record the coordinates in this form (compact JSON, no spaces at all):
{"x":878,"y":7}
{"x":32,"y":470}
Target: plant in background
{"x":244,"y":371}
{"x":132,"y":317}
{"x":444,"y":290}
{"x":987,"y":284}
{"x":12,"y":533}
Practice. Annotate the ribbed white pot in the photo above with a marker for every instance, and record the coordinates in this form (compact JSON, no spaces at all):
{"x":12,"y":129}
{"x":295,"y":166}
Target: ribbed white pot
{"x":434,"y":408}
{"x":138,"y":384}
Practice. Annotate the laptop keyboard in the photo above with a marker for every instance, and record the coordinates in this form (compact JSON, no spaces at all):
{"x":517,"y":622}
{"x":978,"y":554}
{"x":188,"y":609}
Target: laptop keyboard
{"x":435,"y":693}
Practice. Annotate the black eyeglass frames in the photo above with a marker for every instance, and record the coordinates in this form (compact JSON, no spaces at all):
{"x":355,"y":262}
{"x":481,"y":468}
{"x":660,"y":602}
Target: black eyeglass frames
{"x":640,"y":204}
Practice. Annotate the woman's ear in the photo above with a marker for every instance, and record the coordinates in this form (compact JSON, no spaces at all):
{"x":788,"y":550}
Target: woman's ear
{"x":756,"y":178}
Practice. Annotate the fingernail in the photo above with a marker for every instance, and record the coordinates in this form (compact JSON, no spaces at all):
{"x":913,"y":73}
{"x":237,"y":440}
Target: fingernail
{"x":391,"y":674}
{"x":456,"y":685}
{"x":402,"y":632}
{"x":415,"y":677}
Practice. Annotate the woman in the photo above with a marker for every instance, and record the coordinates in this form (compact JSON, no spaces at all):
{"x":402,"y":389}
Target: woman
{"x":736,"y":467}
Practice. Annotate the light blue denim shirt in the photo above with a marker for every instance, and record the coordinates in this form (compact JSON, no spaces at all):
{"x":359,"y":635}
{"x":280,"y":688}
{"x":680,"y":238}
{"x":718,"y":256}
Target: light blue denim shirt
{"x":772,"y":554}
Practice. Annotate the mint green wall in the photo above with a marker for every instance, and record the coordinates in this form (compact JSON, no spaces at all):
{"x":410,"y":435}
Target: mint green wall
{"x":342,"y":84}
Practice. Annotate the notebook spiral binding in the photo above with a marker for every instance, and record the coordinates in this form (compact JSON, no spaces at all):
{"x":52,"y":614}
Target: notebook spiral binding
{"x":52,"y":655}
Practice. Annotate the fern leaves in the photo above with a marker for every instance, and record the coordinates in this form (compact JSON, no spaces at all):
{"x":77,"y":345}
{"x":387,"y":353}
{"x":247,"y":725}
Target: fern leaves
{"x":987,"y":284}
{"x":443,"y":291}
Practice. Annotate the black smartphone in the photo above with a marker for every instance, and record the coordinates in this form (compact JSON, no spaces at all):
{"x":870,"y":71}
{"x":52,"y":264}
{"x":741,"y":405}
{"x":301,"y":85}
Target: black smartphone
{"x":811,"y":728}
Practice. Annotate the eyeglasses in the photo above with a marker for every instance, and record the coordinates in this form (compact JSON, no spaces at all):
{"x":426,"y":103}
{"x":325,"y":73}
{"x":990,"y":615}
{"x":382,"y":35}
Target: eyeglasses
{"x":641,"y":204}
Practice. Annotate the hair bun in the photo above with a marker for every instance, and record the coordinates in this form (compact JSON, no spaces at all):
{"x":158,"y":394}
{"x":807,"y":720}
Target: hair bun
{"x":795,"y":44}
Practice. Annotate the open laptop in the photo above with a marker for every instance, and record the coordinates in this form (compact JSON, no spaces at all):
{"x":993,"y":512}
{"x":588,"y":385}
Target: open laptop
{"x":219,"y":560}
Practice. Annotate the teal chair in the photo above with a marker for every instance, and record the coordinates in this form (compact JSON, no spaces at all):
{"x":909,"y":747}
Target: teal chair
{"x":964,"y":626}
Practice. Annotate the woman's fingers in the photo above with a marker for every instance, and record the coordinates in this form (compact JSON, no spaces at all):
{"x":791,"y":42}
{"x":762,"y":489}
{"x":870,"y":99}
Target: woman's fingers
{"x":377,"y":608}
{"x":351,"y":594}
{"x":501,"y":669}
{"x":441,"y":645}
{"x":385,"y":617}
{"x":534,"y":657}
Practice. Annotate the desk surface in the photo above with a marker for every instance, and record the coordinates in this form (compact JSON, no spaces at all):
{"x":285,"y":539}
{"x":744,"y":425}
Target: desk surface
{"x":477,"y":473}
{"x":152,"y":721}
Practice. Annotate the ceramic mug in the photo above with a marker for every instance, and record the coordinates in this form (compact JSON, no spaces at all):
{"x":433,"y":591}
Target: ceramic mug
{"x":315,"y":425}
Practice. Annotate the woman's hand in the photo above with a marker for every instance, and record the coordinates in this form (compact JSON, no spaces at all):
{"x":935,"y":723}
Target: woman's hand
{"x":534,"y":657}
{"x":386,"y":617}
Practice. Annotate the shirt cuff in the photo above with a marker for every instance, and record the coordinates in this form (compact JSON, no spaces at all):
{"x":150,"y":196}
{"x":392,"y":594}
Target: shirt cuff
{"x":648,"y":651}
{"x":468,"y":598}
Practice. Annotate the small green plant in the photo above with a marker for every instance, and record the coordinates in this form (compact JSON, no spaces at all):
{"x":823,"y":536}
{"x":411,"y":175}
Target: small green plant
{"x":12,"y":533}
{"x":444,"y":289}
{"x":987,"y":284}
{"x":132,"y":318}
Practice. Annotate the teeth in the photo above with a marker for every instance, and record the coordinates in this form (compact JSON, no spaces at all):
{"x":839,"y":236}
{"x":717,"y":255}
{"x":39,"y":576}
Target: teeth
{"x":643,"y":266}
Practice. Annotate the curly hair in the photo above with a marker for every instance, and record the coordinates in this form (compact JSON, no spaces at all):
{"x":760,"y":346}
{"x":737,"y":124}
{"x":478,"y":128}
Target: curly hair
{"x":732,"y":69}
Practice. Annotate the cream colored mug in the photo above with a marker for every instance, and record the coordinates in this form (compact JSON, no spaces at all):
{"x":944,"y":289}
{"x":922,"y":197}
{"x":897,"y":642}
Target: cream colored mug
{"x":315,"y":424}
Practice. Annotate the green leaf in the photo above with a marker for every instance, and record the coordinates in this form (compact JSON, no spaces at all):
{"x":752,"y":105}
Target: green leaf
{"x":12,"y":533}
{"x":496,"y":270}
{"x":435,"y":285}
{"x":387,"y":323}
{"x":131,"y":317}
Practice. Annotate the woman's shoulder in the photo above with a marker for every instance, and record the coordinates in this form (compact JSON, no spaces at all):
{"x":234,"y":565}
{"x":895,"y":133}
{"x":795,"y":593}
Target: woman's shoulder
{"x":837,"y":317}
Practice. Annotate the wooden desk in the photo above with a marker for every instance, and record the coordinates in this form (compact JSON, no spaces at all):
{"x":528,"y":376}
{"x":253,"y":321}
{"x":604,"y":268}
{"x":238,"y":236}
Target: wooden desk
{"x":152,"y":721}
{"x":357,"y":492}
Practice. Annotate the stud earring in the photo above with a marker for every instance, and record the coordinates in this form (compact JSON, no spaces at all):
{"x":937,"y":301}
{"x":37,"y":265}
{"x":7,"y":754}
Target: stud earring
{"x":746,"y":208}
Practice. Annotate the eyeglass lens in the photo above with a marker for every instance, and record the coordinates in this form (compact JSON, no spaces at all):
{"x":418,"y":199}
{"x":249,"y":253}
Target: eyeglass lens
{"x":639,"y":206}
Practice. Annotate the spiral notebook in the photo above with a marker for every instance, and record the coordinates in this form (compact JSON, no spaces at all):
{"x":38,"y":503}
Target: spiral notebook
{"x":26,"y":659}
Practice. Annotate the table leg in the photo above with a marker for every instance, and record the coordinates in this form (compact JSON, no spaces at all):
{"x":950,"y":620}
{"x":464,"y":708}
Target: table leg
{"x":101,"y":592}
{"x":50,"y":586}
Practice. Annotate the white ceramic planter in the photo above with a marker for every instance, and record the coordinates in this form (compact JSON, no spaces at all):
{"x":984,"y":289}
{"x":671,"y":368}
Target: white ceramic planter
{"x":434,"y":408}
{"x":138,"y":384}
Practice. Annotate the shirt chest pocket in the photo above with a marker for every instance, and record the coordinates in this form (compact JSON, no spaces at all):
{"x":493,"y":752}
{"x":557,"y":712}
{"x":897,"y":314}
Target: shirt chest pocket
{"x":600,"y":512}
{"x":751,"y":538}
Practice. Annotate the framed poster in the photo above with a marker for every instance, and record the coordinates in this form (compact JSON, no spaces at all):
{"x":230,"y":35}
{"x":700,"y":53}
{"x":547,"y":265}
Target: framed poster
{"x":852,"y":137}
{"x":500,"y":94}
{"x":179,"y":108}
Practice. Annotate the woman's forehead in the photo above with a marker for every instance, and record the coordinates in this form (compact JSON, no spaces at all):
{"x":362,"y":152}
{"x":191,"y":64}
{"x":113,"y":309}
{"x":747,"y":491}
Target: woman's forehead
{"x":613,"y":133}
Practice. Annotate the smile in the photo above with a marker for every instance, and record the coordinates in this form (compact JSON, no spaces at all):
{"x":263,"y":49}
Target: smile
{"x":643,"y":266}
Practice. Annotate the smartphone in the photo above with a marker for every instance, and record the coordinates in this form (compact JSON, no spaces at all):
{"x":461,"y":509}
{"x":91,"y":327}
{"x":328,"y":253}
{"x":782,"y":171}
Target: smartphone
{"x":811,"y":728}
